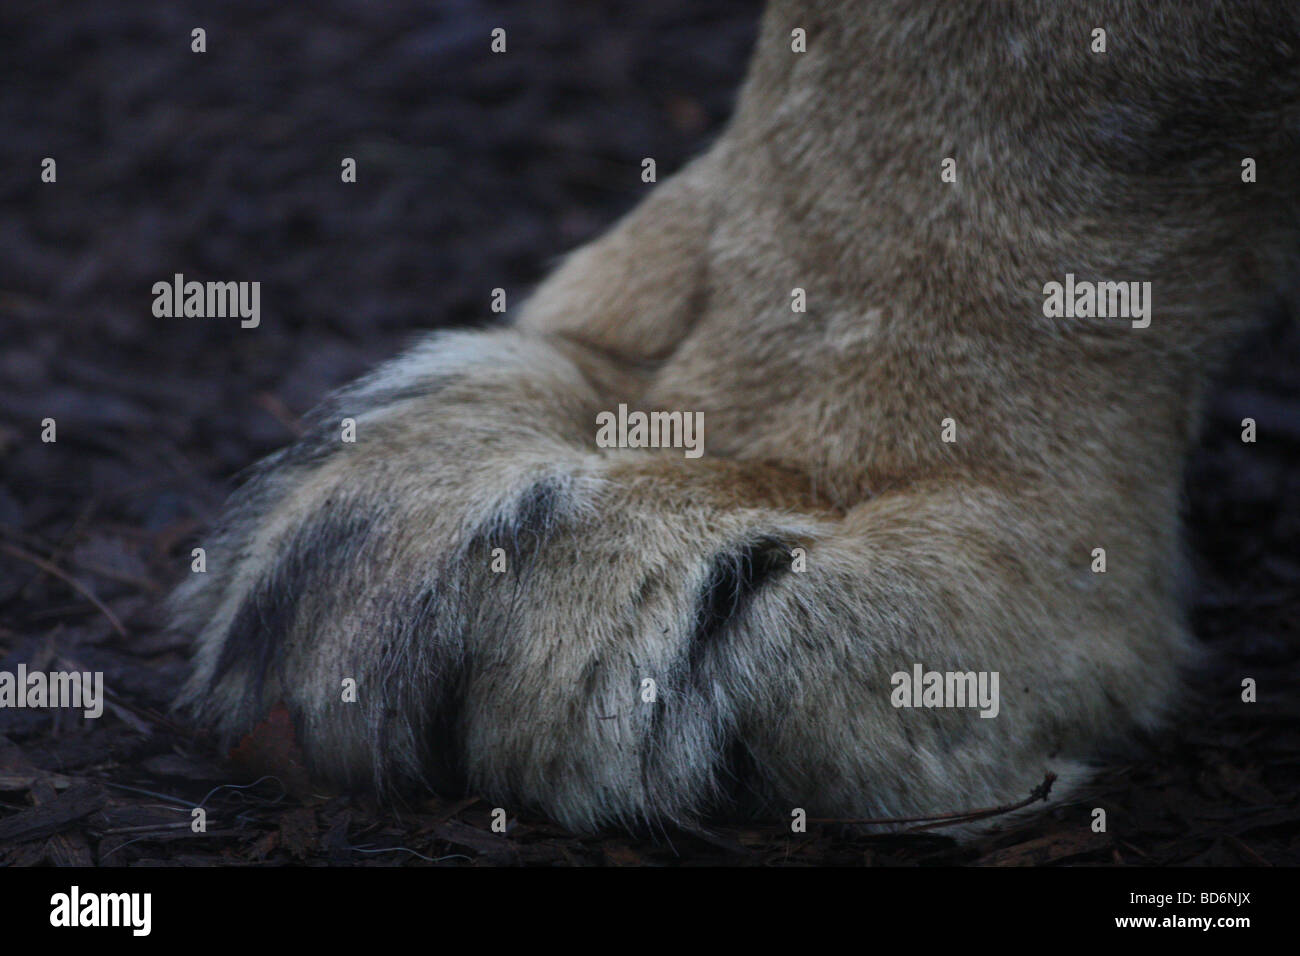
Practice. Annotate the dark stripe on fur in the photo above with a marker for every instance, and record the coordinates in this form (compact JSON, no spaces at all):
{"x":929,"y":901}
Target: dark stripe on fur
{"x":522,"y":531}
{"x":732,"y":580}
{"x":309,"y":564}
{"x":442,"y":763}
{"x":738,"y":783}
{"x":734,"y":577}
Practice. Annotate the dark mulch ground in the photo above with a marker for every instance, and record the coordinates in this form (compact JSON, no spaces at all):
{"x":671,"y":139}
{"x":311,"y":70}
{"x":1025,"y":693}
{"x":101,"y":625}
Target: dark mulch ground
{"x":475,"y":171}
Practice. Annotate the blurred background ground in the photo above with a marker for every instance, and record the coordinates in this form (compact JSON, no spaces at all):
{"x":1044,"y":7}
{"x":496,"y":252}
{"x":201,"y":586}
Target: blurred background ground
{"x":474,"y":171}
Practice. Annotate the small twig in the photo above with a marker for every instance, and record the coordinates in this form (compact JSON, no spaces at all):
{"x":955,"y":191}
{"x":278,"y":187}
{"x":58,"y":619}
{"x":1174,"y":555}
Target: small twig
{"x":1039,"y":792}
{"x":148,"y":793}
{"x":143,"y":584}
{"x":248,"y":786}
{"x":407,"y":849}
{"x":280,"y":412}
{"x":1132,"y":849}
{"x":76,"y":585}
{"x":150,"y":715}
{"x":119,"y":846}
{"x":148,"y":828}
{"x":1248,"y":851}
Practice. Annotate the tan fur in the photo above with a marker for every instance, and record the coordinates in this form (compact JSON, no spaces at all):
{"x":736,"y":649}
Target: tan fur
{"x":372,"y":560}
